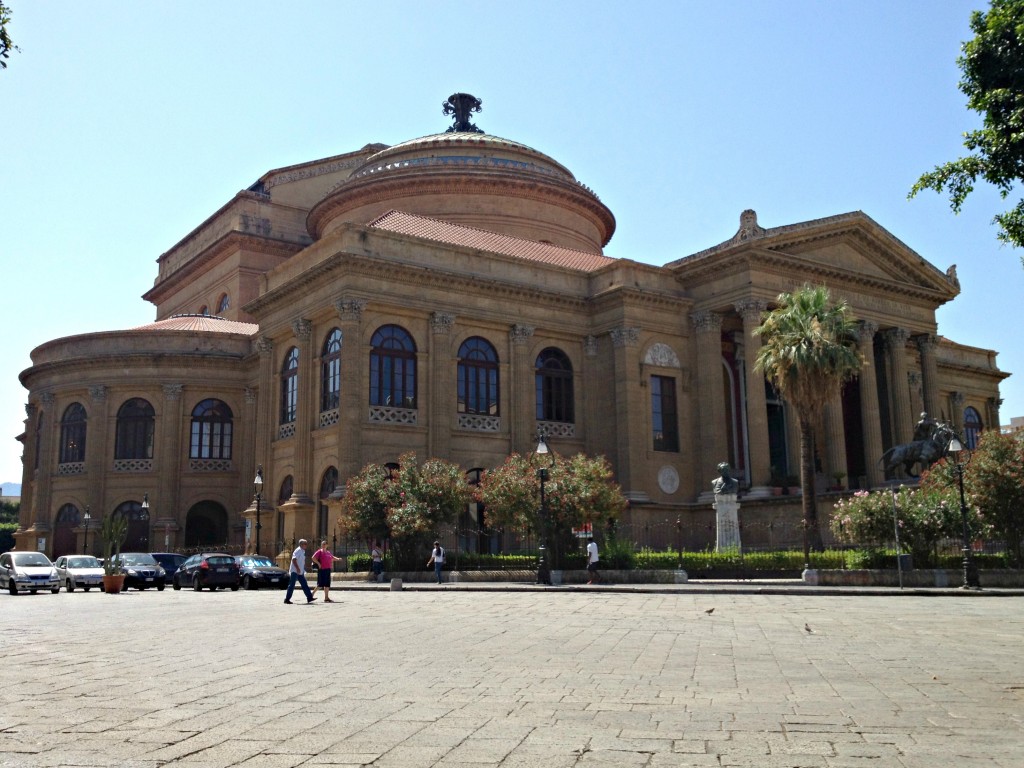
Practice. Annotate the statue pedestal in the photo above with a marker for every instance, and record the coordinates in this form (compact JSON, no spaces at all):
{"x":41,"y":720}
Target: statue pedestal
{"x":727,"y":520}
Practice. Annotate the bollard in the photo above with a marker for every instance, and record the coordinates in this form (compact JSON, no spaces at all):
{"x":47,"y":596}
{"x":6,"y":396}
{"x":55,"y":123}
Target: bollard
{"x":396,"y":585}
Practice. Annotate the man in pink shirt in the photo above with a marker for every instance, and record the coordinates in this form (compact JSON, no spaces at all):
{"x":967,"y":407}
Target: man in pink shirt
{"x":324,"y":559}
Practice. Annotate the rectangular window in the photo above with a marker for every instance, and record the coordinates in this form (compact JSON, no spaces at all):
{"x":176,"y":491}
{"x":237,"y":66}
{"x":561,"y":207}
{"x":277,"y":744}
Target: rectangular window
{"x":664,"y":420}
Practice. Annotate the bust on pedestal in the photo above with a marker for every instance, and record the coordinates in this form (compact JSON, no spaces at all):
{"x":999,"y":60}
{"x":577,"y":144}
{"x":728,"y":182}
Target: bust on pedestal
{"x":727,"y":509}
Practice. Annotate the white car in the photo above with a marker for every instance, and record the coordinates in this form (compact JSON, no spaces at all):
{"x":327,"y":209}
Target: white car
{"x":82,"y":571}
{"x":27,"y":572}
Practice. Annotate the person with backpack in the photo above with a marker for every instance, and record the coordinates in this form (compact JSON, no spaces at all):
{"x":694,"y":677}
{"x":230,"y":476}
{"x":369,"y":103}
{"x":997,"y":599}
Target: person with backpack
{"x":437,"y":558}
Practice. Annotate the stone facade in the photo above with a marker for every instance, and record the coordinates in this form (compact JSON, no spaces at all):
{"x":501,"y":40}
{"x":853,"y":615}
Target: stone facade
{"x":450,"y":296}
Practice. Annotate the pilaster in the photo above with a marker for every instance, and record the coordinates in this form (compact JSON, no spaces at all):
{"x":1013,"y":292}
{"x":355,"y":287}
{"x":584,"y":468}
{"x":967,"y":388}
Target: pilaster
{"x":630,"y":434}
{"x":351,"y":403}
{"x":710,"y":400}
{"x":98,"y":454}
{"x":442,"y":391}
{"x":523,"y":405}
{"x":169,"y":460}
{"x":305,"y":483}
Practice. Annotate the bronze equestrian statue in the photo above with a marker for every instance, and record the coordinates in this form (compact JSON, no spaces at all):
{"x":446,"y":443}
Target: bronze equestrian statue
{"x":930,"y":443}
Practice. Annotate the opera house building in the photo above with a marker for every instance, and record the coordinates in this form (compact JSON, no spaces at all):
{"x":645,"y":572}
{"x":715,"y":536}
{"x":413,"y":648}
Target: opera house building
{"x":452,"y":295}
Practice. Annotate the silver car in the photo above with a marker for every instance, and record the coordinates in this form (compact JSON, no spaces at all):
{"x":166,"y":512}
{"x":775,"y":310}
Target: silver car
{"x":82,"y":571}
{"x":27,"y":572}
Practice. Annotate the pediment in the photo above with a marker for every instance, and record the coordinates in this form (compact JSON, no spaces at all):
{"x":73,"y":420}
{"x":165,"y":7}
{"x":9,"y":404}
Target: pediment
{"x":849,"y":247}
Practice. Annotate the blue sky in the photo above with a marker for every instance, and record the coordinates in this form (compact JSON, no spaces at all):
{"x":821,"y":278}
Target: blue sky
{"x":124,"y":125}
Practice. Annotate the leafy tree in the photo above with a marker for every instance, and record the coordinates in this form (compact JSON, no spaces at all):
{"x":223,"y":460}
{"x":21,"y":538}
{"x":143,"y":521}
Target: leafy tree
{"x":6,"y":46}
{"x":994,"y":479}
{"x":992,"y":66}
{"x":408,"y":505}
{"x":809,"y":348}
{"x":579,"y":490}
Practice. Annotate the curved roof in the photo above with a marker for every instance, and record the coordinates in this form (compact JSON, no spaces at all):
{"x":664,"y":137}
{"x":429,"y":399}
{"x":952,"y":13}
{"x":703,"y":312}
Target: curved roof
{"x":200,"y":323}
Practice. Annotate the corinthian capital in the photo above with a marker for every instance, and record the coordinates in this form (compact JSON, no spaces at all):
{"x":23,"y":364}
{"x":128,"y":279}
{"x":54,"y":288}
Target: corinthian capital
{"x":706,"y":321}
{"x":350,"y":310}
{"x":896,"y":337}
{"x":302,"y":328}
{"x":926,"y":342}
{"x":441,"y":323}
{"x":520,"y":334}
{"x":866,"y":330}
{"x":751,"y":310}
{"x":625,"y":337}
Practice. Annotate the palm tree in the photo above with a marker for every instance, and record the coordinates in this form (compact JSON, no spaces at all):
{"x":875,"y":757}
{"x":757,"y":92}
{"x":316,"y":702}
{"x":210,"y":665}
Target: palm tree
{"x":809,"y":348}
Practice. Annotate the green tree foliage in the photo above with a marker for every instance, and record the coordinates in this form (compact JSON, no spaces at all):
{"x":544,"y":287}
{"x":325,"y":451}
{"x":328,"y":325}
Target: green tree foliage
{"x":994,"y":480}
{"x":579,"y":490}
{"x":408,"y":505}
{"x":6,"y":46}
{"x":992,"y":67}
{"x":809,"y":348}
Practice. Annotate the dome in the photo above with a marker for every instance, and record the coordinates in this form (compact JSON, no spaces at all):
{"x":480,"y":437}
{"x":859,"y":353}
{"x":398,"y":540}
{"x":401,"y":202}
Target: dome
{"x":472,"y":179}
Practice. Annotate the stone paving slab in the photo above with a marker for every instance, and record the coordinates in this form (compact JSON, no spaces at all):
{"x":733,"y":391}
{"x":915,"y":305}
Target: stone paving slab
{"x":500,"y":678}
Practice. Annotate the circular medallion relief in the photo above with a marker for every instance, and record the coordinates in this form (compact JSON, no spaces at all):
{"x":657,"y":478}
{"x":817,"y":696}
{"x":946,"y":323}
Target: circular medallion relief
{"x":668,"y":479}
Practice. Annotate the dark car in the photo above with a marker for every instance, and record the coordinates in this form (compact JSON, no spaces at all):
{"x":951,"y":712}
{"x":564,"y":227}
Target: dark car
{"x":142,"y":571}
{"x":259,"y":571}
{"x":170,"y":561}
{"x":207,"y":569}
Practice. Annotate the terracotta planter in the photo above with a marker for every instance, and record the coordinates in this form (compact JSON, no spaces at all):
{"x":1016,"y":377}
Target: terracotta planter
{"x":113,"y":584}
{"x":776,"y":490}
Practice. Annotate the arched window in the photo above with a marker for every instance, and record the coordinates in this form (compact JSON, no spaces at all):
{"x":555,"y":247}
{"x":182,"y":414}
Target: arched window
{"x":972,"y":427}
{"x":393,"y":368}
{"x":330,"y":371}
{"x":204,"y":310}
{"x":290,"y":386}
{"x":211,"y":430}
{"x":134,"y":439}
{"x":328,"y":484}
{"x":478,"y":377}
{"x":72,"y":434}
{"x":223,"y":304}
{"x":554,"y":387}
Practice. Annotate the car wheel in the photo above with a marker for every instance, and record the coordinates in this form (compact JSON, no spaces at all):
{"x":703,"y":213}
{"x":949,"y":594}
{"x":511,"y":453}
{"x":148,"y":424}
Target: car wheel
{"x":85,"y":588}
{"x":55,"y":590}
{"x":234,"y":587}
{"x":176,"y":584}
{"x":70,"y":585}
{"x":160,"y":587}
{"x":248,"y":583}
{"x":196,"y":585}
{"x":34,"y":591}
{"x":12,"y":587}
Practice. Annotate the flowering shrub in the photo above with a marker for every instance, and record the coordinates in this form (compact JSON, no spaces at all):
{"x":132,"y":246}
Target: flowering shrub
{"x":994,"y":480}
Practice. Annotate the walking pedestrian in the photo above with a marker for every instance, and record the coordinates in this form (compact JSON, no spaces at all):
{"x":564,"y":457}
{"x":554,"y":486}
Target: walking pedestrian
{"x":297,"y":573}
{"x":377,"y":562}
{"x":437,"y":558}
{"x":592,"y":558}
{"x":324,"y":559}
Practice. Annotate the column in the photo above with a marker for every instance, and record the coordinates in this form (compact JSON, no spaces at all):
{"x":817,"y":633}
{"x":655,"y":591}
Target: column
{"x":49,"y":434}
{"x":956,"y":403}
{"x":590,"y":395}
{"x":523,"y":390}
{"x":628,"y":418}
{"x":755,"y":406}
{"x":442,"y":388}
{"x":927,"y":343}
{"x":305,"y":484}
{"x":835,"y":436}
{"x":99,"y":459}
{"x":711,"y":415}
{"x":169,"y":456}
{"x":352,"y":404}
{"x":899,"y":389}
{"x":870,"y":414}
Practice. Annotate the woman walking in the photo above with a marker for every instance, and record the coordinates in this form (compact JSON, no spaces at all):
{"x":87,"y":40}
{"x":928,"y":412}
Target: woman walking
{"x":325,"y":559}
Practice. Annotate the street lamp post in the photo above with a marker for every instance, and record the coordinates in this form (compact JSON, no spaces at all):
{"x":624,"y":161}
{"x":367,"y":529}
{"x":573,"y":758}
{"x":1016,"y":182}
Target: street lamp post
{"x":679,"y":539}
{"x":970,"y":571}
{"x":88,"y":517}
{"x":144,"y":516}
{"x":257,"y":485}
{"x":543,"y":459}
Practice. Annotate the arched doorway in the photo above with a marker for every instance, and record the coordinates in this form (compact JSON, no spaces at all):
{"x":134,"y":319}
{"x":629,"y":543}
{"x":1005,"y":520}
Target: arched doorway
{"x":137,"y":537}
{"x":64,"y":542}
{"x":206,"y":525}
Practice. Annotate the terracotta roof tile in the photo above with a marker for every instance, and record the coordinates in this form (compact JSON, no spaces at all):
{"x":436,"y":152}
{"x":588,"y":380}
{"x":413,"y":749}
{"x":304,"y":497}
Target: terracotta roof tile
{"x":201,"y":324}
{"x":440,"y":231}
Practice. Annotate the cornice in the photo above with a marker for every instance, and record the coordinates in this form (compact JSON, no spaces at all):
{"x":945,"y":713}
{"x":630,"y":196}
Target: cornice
{"x":621,"y":295}
{"x":228,"y":243}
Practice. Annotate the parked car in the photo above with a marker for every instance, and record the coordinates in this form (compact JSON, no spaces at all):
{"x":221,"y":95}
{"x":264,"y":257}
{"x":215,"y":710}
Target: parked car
{"x":207,"y":569}
{"x":170,"y":561}
{"x":28,"y":571}
{"x":258,"y":571}
{"x":142,"y":571}
{"x":83,"y":571}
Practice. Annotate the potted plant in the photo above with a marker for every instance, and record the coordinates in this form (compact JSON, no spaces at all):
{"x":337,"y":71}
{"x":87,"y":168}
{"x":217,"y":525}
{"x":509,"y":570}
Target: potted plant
{"x":777,"y":482}
{"x":113,"y":532}
{"x":838,"y":477}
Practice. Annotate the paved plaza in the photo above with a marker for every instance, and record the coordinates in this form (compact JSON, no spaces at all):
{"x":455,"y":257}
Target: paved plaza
{"x":473,"y":679}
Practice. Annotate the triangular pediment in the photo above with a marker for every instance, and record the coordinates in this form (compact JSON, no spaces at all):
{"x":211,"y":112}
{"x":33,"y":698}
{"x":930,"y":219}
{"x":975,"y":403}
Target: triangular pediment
{"x":849,"y":247}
